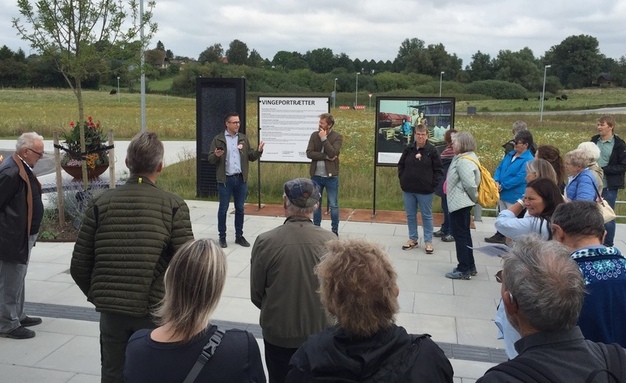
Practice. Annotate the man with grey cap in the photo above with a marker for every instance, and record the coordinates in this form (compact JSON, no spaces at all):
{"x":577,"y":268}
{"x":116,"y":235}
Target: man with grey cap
{"x":282,"y":282}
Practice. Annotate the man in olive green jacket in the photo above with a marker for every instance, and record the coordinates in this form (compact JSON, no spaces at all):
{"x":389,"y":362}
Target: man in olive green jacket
{"x":232,"y":153}
{"x":127,"y":239}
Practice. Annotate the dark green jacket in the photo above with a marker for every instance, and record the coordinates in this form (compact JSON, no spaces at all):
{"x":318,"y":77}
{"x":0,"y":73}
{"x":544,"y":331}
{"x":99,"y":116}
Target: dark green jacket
{"x":283,"y":284}
{"x":246,"y":152}
{"x":127,"y":239}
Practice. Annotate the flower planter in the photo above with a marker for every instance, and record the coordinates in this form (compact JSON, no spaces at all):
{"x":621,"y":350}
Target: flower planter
{"x":77,"y":172}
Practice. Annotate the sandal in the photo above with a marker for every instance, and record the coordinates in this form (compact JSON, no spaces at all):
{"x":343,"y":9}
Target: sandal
{"x":410,"y":244}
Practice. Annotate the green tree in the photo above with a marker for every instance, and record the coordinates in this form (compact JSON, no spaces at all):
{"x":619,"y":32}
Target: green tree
{"x":576,"y":60}
{"x":518,"y":67}
{"x":481,"y":67}
{"x":212,"y":54}
{"x":79,"y":35}
{"x":406,"y":51}
{"x":237,"y":53}
{"x":255,"y":60}
{"x":321,"y":60}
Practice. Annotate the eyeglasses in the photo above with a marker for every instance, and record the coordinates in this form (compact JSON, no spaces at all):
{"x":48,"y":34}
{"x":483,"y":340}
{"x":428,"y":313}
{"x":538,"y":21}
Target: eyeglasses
{"x":233,"y":122}
{"x":40,"y":154}
{"x":499,"y":276}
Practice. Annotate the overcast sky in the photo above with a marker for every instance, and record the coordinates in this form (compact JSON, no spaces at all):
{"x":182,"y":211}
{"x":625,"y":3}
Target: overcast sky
{"x":374,"y":29}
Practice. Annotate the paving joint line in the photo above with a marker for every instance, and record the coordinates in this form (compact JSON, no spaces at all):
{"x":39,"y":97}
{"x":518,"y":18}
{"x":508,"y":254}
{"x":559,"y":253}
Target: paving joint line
{"x":89,"y":314}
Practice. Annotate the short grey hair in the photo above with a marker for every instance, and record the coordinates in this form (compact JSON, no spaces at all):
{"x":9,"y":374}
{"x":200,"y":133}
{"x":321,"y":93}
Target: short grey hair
{"x":27,"y":140}
{"x":519,"y":126}
{"x":578,"y":157}
{"x":144,"y":154}
{"x":464,"y":141}
{"x":592,"y":149}
{"x":545,"y":282}
{"x":579,"y":219}
{"x":291,"y":209}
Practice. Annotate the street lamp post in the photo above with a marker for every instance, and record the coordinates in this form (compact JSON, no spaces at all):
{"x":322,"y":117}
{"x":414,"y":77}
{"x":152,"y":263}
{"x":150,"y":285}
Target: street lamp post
{"x":335,"y":94}
{"x":440,"y":81}
{"x":143,"y":72}
{"x":356,"y":90}
{"x":543,"y":92}
{"x":118,"y":88}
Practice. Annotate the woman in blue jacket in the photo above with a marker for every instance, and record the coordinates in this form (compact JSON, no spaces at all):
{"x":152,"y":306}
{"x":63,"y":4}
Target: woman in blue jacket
{"x":582,"y":185}
{"x":510,"y":176}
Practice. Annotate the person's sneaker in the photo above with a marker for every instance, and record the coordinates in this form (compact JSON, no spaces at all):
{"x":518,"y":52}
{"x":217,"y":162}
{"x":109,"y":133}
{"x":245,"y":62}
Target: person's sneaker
{"x":472,"y":271}
{"x":455,"y":274}
{"x":18,"y":333}
{"x":428,"y":248}
{"x":447,"y":238}
{"x":30,"y":321}
{"x":410,"y":244}
{"x":223,"y":243}
{"x":241,"y":241}
{"x":496,"y":238}
{"x":439,"y":233}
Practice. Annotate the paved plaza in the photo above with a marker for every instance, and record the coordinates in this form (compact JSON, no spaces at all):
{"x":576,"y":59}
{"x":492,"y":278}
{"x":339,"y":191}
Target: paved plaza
{"x":457,"y":313}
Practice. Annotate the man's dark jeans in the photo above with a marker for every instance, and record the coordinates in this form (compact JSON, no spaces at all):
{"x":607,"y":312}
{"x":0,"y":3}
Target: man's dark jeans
{"x":238,"y":189}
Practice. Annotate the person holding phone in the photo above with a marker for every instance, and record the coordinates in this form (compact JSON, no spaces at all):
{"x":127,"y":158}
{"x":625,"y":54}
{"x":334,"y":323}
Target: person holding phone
{"x":231,"y":152}
{"x":323,"y":150}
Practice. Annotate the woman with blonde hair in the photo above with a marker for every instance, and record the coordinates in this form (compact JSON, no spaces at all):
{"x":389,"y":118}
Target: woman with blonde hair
{"x":540,"y":168}
{"x":358,"y":287}
{"x":194,"y":282}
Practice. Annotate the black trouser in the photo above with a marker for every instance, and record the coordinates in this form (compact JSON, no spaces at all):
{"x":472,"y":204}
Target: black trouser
{"x":460,"y":226}
{"x":277,"y":361}
{"x":115,"y":330}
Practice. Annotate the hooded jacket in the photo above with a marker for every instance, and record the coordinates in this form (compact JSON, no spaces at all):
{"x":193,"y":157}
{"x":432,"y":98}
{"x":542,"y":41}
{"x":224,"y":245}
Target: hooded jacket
{"x":390,"y":355}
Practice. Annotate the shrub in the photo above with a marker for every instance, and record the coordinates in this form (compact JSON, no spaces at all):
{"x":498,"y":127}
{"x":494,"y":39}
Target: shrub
{"x":500,"y":90}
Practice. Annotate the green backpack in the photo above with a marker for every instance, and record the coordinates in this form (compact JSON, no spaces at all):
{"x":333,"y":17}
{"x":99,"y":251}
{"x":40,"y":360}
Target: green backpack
{"x":488,"y":194}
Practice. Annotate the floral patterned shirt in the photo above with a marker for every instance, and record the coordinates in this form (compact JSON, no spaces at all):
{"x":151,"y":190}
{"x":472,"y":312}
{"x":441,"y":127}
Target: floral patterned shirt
{"x":600,"y":264}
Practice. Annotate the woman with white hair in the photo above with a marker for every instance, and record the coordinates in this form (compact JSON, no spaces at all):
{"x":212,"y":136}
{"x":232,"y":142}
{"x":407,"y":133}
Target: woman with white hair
{"x":593,"y":152}
{"x":582,"y":185}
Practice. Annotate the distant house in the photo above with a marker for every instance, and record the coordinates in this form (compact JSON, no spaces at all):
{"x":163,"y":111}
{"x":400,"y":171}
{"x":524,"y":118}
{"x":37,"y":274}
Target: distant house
{"x":604,"y":79}
{"x":224,"y":60}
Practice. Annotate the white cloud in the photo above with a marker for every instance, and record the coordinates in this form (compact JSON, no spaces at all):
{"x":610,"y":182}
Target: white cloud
{"x":374,"y":29}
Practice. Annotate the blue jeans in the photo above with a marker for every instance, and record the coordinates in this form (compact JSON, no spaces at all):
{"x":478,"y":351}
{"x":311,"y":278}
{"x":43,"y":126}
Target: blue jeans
{"x":610,"y":195}
{"x":238,"y":189}
{"x":460,"y":225}
{"x":445,"y":226}
{"x":331,"y":184}
{"x":425,"y":203}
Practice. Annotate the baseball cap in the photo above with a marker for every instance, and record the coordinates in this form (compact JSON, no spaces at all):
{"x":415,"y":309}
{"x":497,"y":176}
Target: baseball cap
{"x":302,"y":192}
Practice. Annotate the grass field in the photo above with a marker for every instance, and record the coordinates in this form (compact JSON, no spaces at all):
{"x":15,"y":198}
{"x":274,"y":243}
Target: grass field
{"x":173,"y":118}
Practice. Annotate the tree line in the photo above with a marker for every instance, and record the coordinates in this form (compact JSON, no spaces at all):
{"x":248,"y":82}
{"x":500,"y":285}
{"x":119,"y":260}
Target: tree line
{"x":574,"y":63}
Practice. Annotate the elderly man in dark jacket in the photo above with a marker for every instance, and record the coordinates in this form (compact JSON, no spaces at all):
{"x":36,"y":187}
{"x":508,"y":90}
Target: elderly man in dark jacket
{"x":282,"y":282}
{"x":21,"y":211}
{"x":125,"y":243}
{"x":543,"y":291}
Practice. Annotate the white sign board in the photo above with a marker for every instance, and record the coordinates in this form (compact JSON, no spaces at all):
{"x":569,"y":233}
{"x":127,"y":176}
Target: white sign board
{"x":285,"y":125}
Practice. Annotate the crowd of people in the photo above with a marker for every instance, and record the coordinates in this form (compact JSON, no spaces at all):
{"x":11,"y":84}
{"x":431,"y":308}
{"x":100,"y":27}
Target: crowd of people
{"x":328,"y":305}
